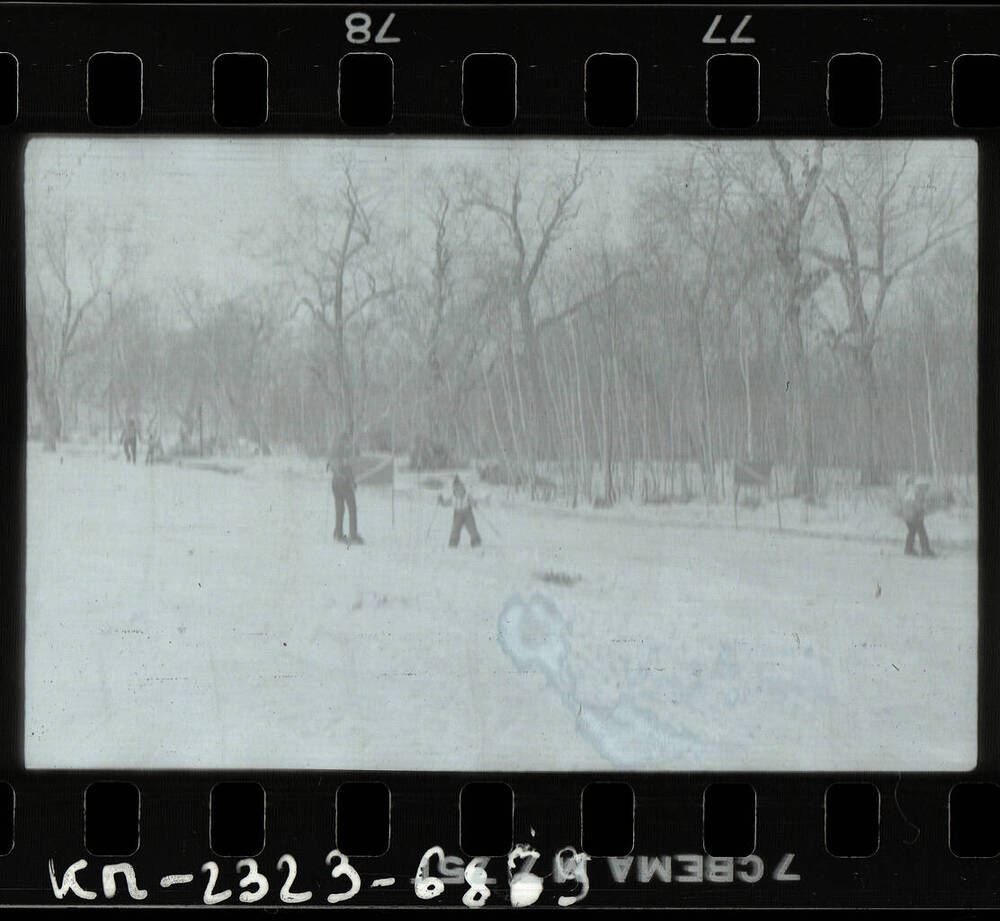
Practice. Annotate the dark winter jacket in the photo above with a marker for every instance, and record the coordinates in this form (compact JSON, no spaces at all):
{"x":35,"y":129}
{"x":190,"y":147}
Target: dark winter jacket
{"x":914,"y":501}
{"x":343,"y":475}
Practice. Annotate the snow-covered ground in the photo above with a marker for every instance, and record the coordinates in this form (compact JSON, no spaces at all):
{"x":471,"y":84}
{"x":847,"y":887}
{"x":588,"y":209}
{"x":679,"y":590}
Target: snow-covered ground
{"x":189,"y":618}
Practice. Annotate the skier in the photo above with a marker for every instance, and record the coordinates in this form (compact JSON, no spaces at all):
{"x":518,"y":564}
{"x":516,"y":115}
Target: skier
{"x":154,"y":447}
{"x":913,"y":510}
{"x":462,"y":502}
{"x":130,"y":438}
{"x":343,"y":493}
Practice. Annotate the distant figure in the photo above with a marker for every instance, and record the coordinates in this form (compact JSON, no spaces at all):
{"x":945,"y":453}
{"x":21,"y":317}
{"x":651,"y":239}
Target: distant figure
{"x":462,"y":517}
{"x":343,"y":493}
{"x":913,"y":510}
{"x":130,"y":440}
{"x":154,"y":447}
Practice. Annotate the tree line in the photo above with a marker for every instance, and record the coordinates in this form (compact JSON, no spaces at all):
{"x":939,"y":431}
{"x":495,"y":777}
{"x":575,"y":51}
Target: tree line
{"x":808,"y":304}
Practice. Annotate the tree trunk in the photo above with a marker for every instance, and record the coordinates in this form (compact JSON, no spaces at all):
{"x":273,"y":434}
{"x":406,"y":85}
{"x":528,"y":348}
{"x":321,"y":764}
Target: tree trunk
{"x":111,"y":417}
{"x":538,"y":432}
{"x":344,"y":379}
{"x":800,"y":396}
{"x":874,"y":472}
{"x":584,"y":448}
{"x":708,"y":455}
{"x":931,"y":432}
{"x":607,"y":413}
{"x":745,"y":374}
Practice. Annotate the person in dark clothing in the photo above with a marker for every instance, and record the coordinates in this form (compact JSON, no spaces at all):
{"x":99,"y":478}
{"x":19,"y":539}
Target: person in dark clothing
{"x":462,"y":517}
{"x":343,"y":495}
{"x":913,"y":510}
{"x":130,"y":440}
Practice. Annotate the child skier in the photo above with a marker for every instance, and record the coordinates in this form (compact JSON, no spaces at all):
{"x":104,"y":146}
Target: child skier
{"x":462,"y":502}
{"x":343,"y":493}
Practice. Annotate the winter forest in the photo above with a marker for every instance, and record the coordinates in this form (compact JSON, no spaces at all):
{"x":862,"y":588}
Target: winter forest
{"x":686,"y":387}
{"x":607,"y":320}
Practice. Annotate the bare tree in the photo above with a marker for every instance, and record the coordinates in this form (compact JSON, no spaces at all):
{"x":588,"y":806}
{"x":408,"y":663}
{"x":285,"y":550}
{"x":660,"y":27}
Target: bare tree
{"x":532,"y":241}
{"x":504,"y":321}
{"x":943,"y":295}
{"x":331,"y":260}
{"x":691,"y":253}
{"x":606,"y":309}
{"x":74,"y":270}
{"x":889,"y":220}
{"x":784,"y":211}
{"x":745,"y":288}
{"x":428,"y":308}
{"x":783,"y":205}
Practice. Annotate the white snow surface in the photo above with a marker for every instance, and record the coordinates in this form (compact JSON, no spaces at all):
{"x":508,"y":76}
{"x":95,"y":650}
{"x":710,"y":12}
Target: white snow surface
{"x":187,"y":618}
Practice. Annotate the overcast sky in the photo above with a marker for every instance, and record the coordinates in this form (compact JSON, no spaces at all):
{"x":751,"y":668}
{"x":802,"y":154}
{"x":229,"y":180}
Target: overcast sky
{"x":192,"y":203}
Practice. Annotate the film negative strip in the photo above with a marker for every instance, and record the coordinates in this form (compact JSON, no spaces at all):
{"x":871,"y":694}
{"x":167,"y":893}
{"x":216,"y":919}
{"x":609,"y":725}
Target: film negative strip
{"x":492,"y":456}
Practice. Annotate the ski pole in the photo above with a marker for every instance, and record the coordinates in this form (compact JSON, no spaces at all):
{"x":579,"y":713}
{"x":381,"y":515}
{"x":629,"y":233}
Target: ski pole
{"x":431,"y":522}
